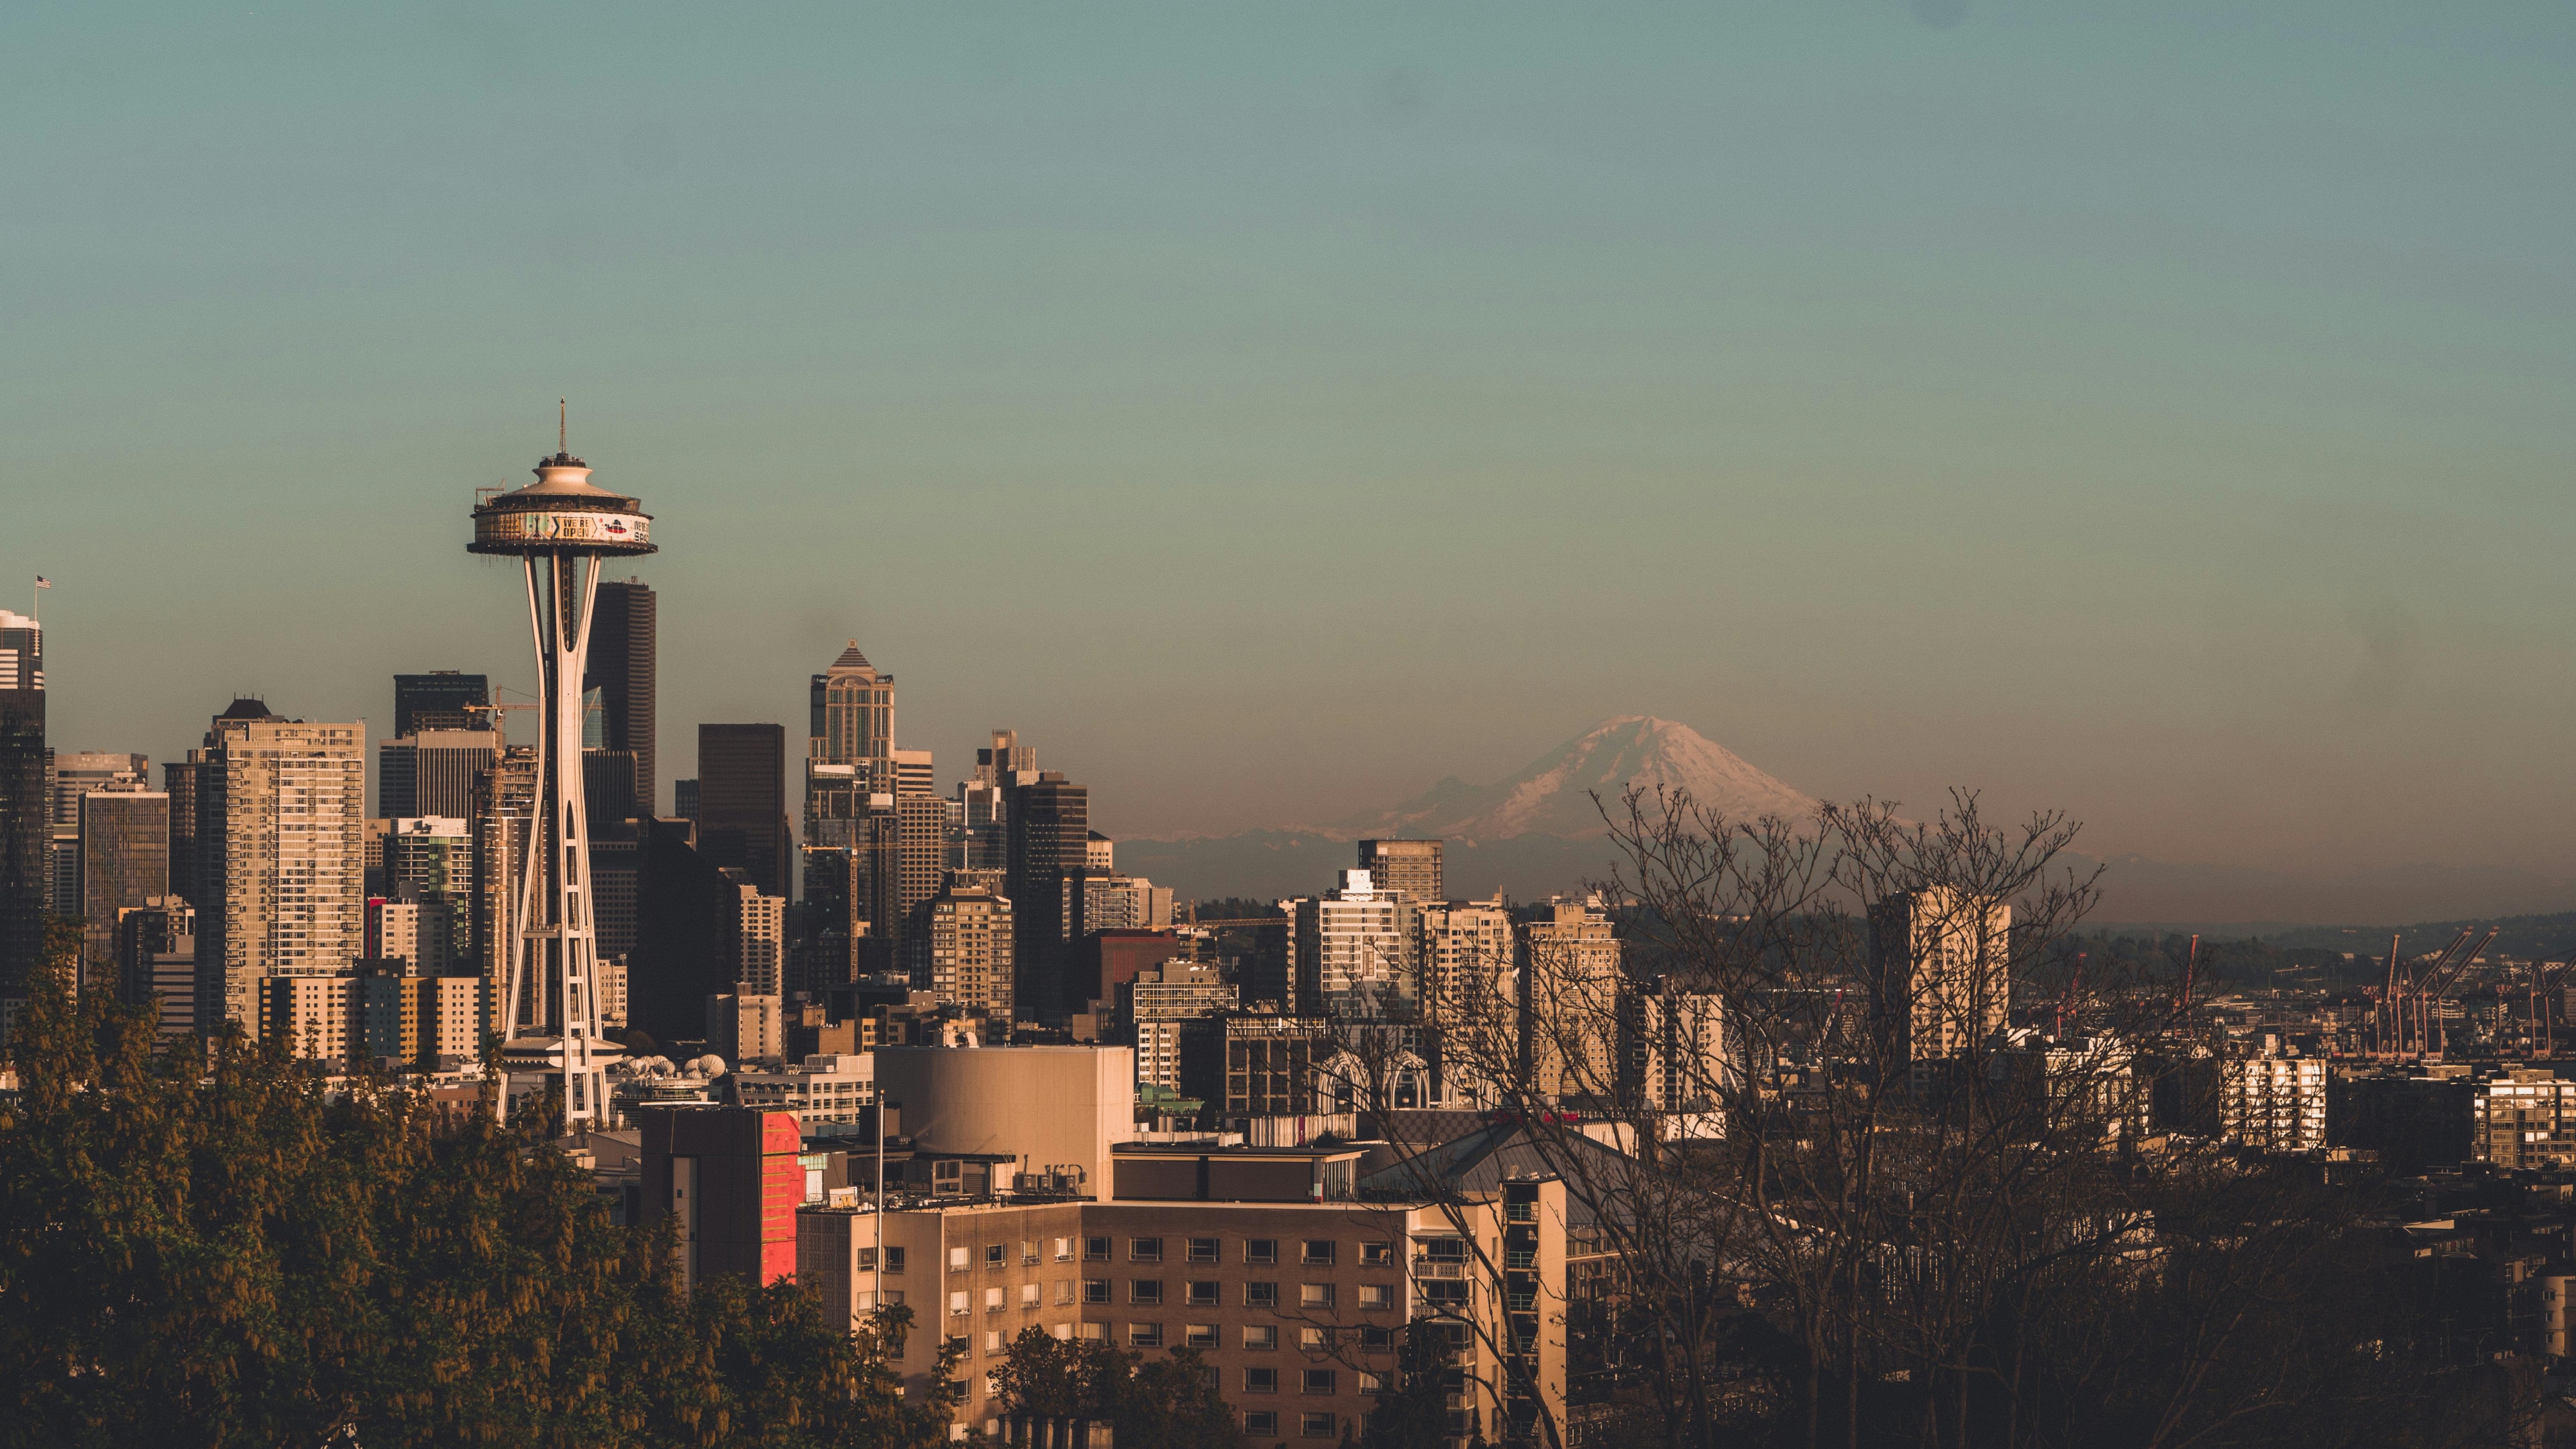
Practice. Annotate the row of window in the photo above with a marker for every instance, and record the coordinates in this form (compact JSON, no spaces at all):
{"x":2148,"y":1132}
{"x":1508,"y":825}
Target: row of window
{"x":1311,"y":1252}
{"x":1210,"y":1294}
{"x":1262,"y":1423}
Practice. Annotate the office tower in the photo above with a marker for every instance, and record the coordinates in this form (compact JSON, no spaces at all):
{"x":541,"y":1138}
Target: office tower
{"x":124,"y":863}
{"x":70,"y":775}
{"x":1159,"y":1004}
{"x":742,"y":807}
{"x":684,"y":799}
{"x":564,"y":529}
{"x":964,"y":951}
{"x":851,"y":708}
{"x":760,"y":943}
{"x":619,"y":673}
{"x":25,"y":837}
{"x":1099,"y":852}
{"x":1050,"y":827}
{"x":1410,"y":866}
{"x":441,"y":700}
{"x":179,"y":782}
{"x":1570,"y":986}
{"x":1464,"y":951}
{"x":1006,"y":760}
{"x":1355,"y":952}
{"x":686,"y":914}
{"x":1114,"y":902}
{"x":979,"y":840}
{"x":156,"y":953}
{"x":608,"y":787}
{"x":282,"y":811}
{"x":835,"y":917}
{"x":921,"y":844}
{"x":504,"y":811}
{"x":1942,"y":958}
{"x":433,"y":772}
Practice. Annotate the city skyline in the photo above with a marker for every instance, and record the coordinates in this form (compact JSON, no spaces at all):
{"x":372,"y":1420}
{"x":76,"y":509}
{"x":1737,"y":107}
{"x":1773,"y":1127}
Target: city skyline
{"x":2146,"y":419}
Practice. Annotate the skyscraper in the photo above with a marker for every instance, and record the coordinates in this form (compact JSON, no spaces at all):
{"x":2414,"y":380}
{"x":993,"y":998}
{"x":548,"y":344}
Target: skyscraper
{"x":433,"y":772}
{"x":620,"y":676}
{"x":1355,"y":951}
{"x":852,"y":712}
{"x":24,"y":835}
{"x":70,"y":775}
{"x":1410,"y":866}
{"x":179,"y":782}
{"x":282,"y":812}
{"x":742,"y":809}
{"x":1570,"y":991}
{"x":124,"y":862}
{"x":964,"y":950}
{"x":1046,"y":850}
{"x":441,"y":700}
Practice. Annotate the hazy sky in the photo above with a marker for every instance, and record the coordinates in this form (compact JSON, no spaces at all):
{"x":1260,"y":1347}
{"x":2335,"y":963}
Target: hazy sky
{"x":2160,"y":411}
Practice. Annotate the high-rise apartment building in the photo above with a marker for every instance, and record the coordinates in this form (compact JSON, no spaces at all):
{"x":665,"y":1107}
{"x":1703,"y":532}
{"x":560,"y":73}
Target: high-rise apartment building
{"x":179,"y":782}
{"x":1355,"y":952}
{"x":25,"y":837}
{"x":1675,"y":1046}
{"x":1159,"y":1004}
{"x":2277,"y":1103}
{"x":1570,"y":999}
{"x":1114,"y":902}
{"x":760,"y":943}
{"x":432,"y":858}
{"x":1943,"y":959}
{"x":504,"y":814}
{"x":124,"y":863}
{"x":1466,"y":960}
{"x":1099,"y":853}
{"x":1410,"y":866}
{"x":963,"y":955}
{"x":433,"y":772}
{"x":442,"y":700}
{"x":283,"y":810}
{"x":742,"y":807}
{"x":619,"y":676}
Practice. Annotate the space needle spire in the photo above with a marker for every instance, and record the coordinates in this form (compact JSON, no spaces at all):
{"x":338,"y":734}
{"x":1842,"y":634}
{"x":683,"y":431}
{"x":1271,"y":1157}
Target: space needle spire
{"x":562,"y":527}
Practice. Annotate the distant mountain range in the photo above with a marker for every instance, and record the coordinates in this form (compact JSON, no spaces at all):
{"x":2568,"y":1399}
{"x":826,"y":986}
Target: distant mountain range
{"x":1539,"y":831}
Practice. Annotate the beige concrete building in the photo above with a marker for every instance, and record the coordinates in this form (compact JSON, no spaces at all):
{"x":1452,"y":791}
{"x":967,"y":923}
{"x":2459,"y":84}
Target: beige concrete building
{"x":1570,"y":1002}
{"x":967,"y":943}
{"x":824,"y":1087}
{"x":2525,"y":1117}
{"x":1354,"y":952}
{"x":1943,"y":960}
{"x":1411,"y":866}
{"x":283,"y":805}
{"x":310,"y":1014}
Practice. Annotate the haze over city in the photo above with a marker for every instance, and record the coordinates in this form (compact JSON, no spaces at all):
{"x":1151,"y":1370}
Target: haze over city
{"x":2151,"y":415}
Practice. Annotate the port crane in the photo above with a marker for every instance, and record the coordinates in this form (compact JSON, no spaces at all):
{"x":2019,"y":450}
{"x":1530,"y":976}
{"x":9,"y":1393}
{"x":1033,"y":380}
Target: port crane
{"x":2409,"y":1016}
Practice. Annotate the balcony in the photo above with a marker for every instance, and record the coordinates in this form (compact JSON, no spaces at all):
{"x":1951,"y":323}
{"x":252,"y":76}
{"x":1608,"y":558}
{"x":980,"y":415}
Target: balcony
{"x":1520,"y":1257}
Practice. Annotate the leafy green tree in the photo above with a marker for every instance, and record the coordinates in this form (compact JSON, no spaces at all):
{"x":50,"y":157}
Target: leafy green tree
{"x":206,"y":1247}
{"x":1168,"y":1402}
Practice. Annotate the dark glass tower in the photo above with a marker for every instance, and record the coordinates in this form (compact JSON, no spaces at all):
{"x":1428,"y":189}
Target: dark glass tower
{"x":1050,"y":832}
{"x":742,"y":801}
{"x":441,"y":700}
{"x":26,"y":833}
{"x":620,"y":669}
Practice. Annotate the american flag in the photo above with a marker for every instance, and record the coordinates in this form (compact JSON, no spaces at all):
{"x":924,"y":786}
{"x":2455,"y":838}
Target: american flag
{"x":42,"y":583}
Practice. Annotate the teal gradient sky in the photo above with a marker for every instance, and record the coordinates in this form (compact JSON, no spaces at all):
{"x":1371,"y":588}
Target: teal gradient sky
{"x":2161,"y":412}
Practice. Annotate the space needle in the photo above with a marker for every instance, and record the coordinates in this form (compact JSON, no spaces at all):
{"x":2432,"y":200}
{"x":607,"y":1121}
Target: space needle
{"x":562,"y":526}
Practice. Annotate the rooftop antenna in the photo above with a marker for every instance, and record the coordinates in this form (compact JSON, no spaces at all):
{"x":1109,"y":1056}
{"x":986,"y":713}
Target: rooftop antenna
{"x":563,"y":418}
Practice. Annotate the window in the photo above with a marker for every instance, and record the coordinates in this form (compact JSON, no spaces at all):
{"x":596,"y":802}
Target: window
{"x":1028,"y":1295}
{"x":1203,"y":1295}
{"x":1064,"y":1250}
{"x":1144,"y":1335}
{"x":867,"y":1259}
{"x":1144,"y":1250}
{"x":957,"y":1304}
{"x":1145,"y":1290}
{"x":1315,"y":1340}
{"x":1314,"y":1295}
{"x":1260,"y":1295}
{"x":1316,"y":1251}
{"x":1318,"y":1426}
{"x":1261,"y":1381}
{"x":1266,"y":1336}
{"x":1028,"y":1250}
{"x":993,"y":1255}
{"x":1377,"y":1255}
{"x":1090,"y":1331}
{"x":892,"y":1298}
{"x":993,"y":1343}
{"x":894,"y":1260}
{"x":1372,"y":1385}
{"x":1063,"y":1290}
{"x":957,"y":1260}
{"x":1445,"y":1250}
{"x":1440,"y":1294}
{"x":1198,"y":1335}
{"x":1261,"y":1250}
{"x":1377,"y":1339}
{"x":992,"y":1300}
{"x":1095,"y":1250}
{"x":1095,"y":1290}
{"x":1376,"y":1295}
{"x":1260,"y":1423}
{"x":1202,"y":1250}
{"x":1063,"y":1332}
